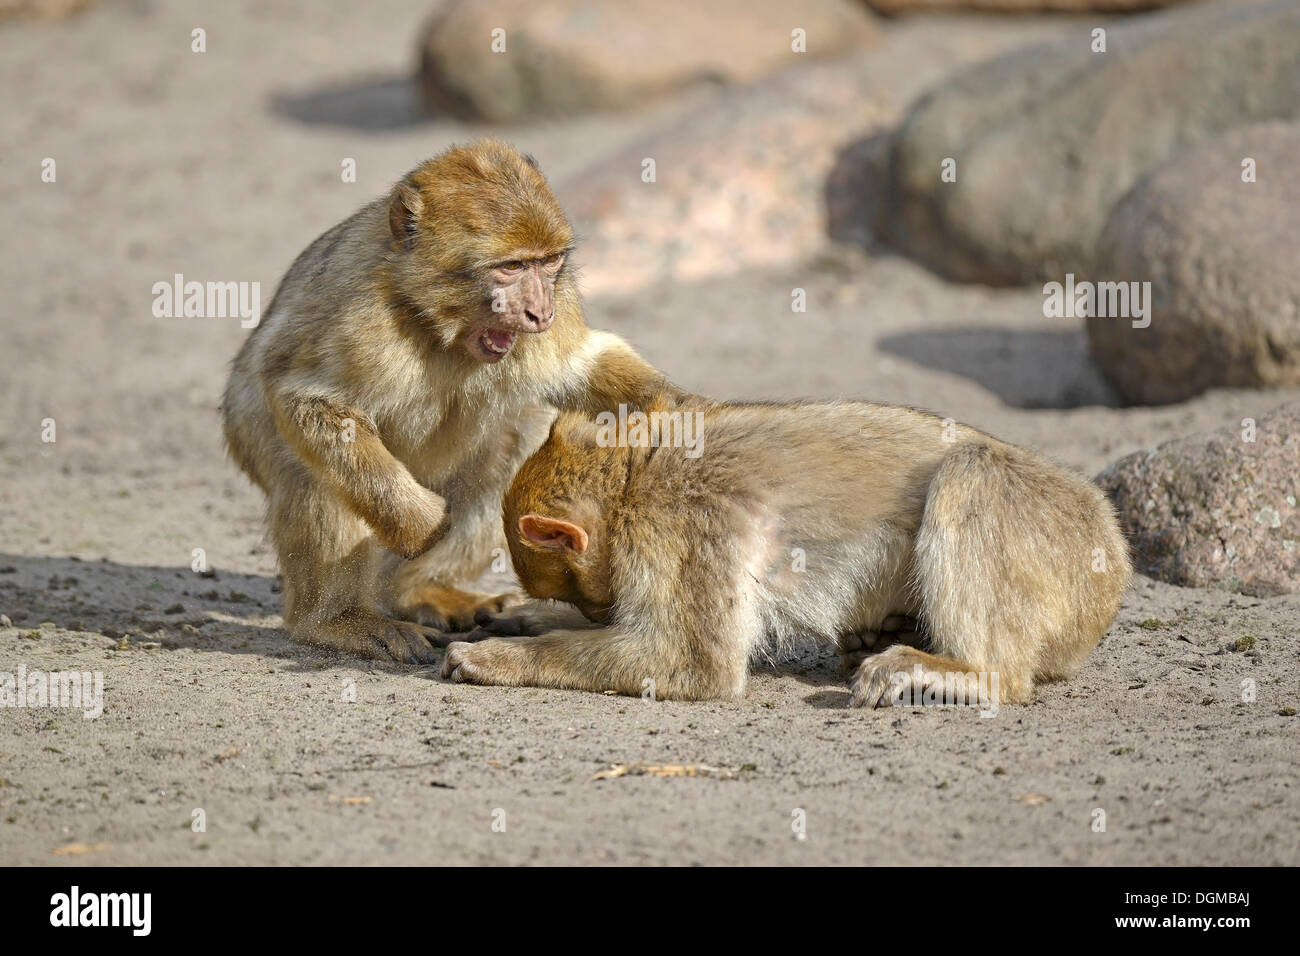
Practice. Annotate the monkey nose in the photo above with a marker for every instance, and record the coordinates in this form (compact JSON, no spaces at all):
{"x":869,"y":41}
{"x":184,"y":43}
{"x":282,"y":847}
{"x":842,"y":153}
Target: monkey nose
{"x":539,"y":322}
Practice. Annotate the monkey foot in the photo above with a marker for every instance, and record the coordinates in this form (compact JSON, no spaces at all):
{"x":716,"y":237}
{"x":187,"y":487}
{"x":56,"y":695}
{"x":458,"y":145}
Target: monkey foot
{"x":909,"y":677}
{"x":377,"y":637}
{"x":451,"y":609}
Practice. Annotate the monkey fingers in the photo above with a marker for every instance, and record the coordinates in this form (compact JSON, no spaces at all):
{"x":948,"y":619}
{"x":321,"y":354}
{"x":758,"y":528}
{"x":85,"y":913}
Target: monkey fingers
{"x":374,"y":636}
{"x":485,"y":663}
{"x":528,"y":619}
{"x":903,"y":675}
{"x":879,"y":679}
{"x":410,"y":643}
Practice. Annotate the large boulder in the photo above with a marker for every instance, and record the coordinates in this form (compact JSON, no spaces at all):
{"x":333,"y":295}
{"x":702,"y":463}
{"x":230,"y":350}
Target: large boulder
{"x":761,"y":176}
{"x":564,"y":56}
{"x":1221,"y":255}
{"x":1216,"y":509}
{"x":738,"y":184}
{"x":1047,"y":140}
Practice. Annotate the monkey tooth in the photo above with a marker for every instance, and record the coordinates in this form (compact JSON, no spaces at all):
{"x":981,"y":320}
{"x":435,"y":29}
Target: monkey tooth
{"x":497,"y":342}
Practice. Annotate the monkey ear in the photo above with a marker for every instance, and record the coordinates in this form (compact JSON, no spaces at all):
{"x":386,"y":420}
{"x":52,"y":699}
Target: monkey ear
{"x":553,"y":534}
{"x":404,"y":211}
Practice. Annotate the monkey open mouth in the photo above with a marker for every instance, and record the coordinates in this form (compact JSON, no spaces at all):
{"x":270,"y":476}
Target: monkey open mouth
{"x":495,"y":344}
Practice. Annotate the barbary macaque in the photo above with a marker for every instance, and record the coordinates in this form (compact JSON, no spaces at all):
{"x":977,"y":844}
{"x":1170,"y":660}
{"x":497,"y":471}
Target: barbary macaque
{"x":412,"y":358}
{"x":834,"y":521}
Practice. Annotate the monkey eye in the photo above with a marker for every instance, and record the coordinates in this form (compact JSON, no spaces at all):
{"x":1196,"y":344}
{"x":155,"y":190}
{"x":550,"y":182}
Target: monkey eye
{"x":553,"y":262}
{"x":513,"y":266}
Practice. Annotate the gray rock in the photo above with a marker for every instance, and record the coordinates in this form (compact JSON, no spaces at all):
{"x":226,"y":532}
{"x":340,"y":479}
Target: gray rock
{"x":1221,"y":256}
{"x":1215,"y":510}
{"x":1047,"y":140}
{"x":738,"y":185}
{"x":565,"y":56}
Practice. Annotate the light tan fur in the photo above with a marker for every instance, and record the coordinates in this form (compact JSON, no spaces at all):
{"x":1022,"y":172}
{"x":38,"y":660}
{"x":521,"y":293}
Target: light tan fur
{"x":372,"y":408}
{"x":833,"y":521}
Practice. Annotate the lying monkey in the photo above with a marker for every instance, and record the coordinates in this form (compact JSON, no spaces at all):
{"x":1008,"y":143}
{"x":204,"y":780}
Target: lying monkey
{"x":828,"y":520}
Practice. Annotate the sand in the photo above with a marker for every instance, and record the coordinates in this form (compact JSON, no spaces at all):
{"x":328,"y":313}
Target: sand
{"x":223,"y":166}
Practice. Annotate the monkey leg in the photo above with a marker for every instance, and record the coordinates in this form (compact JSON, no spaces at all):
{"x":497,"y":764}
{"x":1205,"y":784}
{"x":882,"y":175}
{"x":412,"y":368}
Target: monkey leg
{"x":1019,"y":568}
{"x":330,"y":560}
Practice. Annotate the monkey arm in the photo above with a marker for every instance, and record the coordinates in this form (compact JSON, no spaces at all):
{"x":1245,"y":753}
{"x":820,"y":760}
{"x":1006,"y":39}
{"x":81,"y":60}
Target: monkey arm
{"x":610,"y":373}
{"x":342,"y":446}
{"x":689,"y":640}
{"x":670,"y":667}
{"x":687,"y":609}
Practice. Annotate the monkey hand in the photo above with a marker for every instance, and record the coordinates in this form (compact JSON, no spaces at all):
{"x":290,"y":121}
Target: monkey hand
{"x":417,"y":524}
{"x":526,"y":620}
{"x":488,"y":662}
{"x":491,"y":625}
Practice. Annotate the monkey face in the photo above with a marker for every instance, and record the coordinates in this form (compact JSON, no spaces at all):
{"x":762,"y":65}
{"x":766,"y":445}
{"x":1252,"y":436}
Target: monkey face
{"x":523,"y":300}
{"x":479,"y":245}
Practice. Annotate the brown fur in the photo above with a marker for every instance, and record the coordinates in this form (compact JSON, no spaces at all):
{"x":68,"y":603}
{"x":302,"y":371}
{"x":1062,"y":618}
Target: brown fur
{"x":378,"y":333}
{"x":1010,"y":564}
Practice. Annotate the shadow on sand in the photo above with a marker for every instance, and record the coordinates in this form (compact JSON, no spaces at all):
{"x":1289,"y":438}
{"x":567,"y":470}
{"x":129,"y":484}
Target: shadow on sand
{"x":377,"y":104}
{"x":1025,"y":368}
{"x":173,"y":606}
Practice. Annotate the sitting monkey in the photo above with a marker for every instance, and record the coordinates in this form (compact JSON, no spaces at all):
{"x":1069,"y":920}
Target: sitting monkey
{"x":412,"y":358}
{"x":822,"y":520}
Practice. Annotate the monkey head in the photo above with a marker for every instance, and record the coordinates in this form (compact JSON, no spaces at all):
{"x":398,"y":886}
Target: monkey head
{"x":480,"y":248}
{"x":557,"y":518}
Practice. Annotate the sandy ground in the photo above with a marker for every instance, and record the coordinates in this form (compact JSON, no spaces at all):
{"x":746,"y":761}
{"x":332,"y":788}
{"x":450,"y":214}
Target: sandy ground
{"x":223,"y":166}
